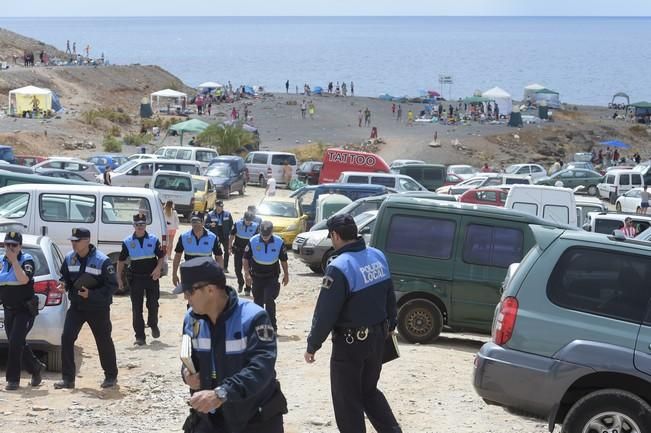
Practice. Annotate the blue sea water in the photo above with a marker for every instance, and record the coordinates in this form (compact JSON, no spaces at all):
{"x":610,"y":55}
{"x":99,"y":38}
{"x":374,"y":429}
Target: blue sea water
{"x":586,"y":59}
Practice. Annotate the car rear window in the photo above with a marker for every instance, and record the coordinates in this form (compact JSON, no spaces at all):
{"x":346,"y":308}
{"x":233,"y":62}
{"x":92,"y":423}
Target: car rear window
{"x":384,"y":181}
{"x":120,"y":209}
{"x":602,"y":282}
{"x":40,"y":263}
{"x":423,"y":237}
{"x":173,"y":183}
{"x":607,"y":226}
{"x":280,"y":159}
{"x":259,"y":158}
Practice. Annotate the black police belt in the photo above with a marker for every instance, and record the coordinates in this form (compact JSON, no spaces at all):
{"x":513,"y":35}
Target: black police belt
{"x":360,"y":334}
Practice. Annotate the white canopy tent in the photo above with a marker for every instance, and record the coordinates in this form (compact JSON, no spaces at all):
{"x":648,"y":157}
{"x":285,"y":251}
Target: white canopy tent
{"x":501,"y":97}
{"x":171,"y":98}
{"x":28,"y":99}
{"x":209,"y":85}
{"x":530,"y":90}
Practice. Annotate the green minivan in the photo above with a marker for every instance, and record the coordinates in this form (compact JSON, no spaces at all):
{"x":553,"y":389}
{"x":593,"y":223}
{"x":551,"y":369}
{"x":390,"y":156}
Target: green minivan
{"x":431,"y":176}
{"x":448,"y":261}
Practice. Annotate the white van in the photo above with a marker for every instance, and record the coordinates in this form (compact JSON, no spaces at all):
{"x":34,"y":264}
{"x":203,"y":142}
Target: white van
{"x":138,"y":172}
{"x":54,"y":210}
{"x":175,"y":186}
{"x":262,"y":165}
{"x":617,"y":182}
{"x":398,"y":182}
{"x":203,"y":155}
{"x":547,"y":202}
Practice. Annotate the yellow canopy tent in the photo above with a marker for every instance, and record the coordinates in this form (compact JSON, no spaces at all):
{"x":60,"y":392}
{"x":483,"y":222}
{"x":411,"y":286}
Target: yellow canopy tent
{"x":28,"y":99}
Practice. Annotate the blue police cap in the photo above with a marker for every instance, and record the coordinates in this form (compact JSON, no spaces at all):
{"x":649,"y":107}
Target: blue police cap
{"x":79,"y":233}
{"x":339,"y":221}
{"x":14,"y":238}
{"x":196,"y":216}
{"x":200,"y":270}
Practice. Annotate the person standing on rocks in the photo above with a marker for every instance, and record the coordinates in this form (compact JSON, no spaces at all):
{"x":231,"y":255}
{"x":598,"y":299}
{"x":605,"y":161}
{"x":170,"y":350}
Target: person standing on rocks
{"x":357,"y":304}
{"x":234,"y":350}
{"x":88,"y":276}
{"x":147,"y":258}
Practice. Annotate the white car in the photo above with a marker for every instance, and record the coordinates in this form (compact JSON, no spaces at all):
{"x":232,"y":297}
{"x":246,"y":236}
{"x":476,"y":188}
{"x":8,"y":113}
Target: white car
{"x":52,"y":305}
{"x":630,"y":201}
{"x":465,"y":172}
{"x":536,"y":171}
{"x":402,"y":162}
{"x":85,"y":169}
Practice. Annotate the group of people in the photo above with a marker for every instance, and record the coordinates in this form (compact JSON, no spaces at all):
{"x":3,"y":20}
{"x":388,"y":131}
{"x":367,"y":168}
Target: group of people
{"x":307,"y":108}
{"x":232,"y":382}
{"x":337,"y":90}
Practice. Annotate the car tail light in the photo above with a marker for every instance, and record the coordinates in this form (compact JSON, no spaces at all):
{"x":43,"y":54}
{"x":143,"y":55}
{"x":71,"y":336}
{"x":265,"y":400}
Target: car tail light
{"x":49,"y":289}
{"x":505,"y":320}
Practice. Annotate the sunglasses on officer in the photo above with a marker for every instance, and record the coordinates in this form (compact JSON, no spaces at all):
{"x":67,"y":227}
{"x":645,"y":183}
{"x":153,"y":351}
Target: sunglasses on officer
{"x":139,"y":224}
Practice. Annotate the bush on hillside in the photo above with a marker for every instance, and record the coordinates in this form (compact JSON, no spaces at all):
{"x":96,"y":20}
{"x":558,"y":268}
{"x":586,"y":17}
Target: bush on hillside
{"x":226,"y":139}
{"x":90,"y":117}
{"x":112,"y":144}
{"x":137,"y":139}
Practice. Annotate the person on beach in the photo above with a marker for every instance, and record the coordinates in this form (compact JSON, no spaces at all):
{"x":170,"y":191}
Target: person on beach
{"x":303,"y":109}
{"x":172,"y":224}
{"x":311,"y":109}
{"x":352,"y":89}
{"x":644,"y":200}
{"x":367,"y":117}
{"x":373,"y":133}
{"x":410,"y":118}
{"x":360,"y":117}
{"x":287,"y":86}
{"x":68,"y":47}
{"x":107,"y":176}
{"x":270,"y":190}
{"x":399,"y":114}
{"x":74,"y":48}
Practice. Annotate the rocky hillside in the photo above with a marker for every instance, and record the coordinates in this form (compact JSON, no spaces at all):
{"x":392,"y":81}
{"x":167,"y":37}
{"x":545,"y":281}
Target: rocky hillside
{"x":12,"y":44}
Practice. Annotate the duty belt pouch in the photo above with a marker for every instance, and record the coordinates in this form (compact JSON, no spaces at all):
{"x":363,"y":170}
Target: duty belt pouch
{"x":275,"y":406}
{"x":32,"y":306}
{"x":191,"y":422}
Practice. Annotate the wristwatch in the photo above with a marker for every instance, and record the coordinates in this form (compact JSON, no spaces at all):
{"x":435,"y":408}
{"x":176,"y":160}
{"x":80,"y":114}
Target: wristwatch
{"x":221,"y":394}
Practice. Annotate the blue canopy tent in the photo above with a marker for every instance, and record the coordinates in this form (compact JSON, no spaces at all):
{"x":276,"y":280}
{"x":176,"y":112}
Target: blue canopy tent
{"x":318,"y":90}
{"x":249,"y":90}
{"x":615,"y":143}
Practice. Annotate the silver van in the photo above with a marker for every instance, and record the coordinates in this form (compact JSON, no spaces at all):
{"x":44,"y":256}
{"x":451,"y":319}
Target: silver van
{"x":138,"y":172}
{"x":262,"y":165}
{"x":203,"y":155}
{"x":398,"y":182}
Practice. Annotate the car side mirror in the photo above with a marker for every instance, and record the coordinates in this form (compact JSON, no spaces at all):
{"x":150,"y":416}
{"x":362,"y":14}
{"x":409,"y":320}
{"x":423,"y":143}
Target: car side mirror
{"x":587,"y":227}
{"x":365,"y":231}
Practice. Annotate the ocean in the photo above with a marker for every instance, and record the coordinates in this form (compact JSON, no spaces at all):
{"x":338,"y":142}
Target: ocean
{"x":587,"y":60}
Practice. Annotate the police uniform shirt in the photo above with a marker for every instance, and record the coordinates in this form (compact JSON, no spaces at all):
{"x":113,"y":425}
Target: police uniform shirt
{"x":223,"y":222}
{"x":100,"y":267}
{"x":356,"y":291}
{"x":146,"y":243}
{"x":13,"y":294}
{"x":275,"y":245}
{"x":216,"y":248}
{"x":243,"y":233}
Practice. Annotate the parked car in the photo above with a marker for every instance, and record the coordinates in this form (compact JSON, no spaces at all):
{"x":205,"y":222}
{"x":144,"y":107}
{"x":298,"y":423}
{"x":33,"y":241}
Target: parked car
{"x":582,"y":165}
{"x":176,"y":186}
{"x":62,"y":174}
{"x":484,"y":180}
{"x":7,"y":154}
{"x":336,"y":161}
{"x":103,"y":161}
{"x":617,"y":182}
{"x":226,"y":180}
{"x":205,"y":195}
{"x":397,"y":182}
{"x":84,"y":168}
{"x":585,"y":205}
{"x":607,"y":223}
{"x":464,"y":171}
{"x":202,"y":155}
{"x":52,"y":305}
{"x":397,"y":163}
{"x":536,"y":171}
{"x":488,"y":196}
{"x":315,"y":248}
{"x":15,"y":168}
{"x":431,"y":176}
{"x":286,"y":216}
{"x":309,"y":172}
{"x":574,"y":177}
{"x":570,"y":343}
{"x":452,"y":179}
{"x":138,"y":173}
{"x":448,"y":261}
{"x":236,"y":163}
{"x":11,"y":178}
{"x":630,"y":201}
{"x":264,"y":164}
{"x":29,"y":160}
{"x":141,"y":156}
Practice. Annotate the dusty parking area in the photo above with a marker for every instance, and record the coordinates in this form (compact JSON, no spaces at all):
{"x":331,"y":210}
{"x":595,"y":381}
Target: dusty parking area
{"x":429,"y":387}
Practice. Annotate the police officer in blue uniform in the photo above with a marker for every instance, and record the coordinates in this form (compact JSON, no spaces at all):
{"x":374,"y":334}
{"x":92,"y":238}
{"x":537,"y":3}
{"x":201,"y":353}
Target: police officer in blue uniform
{"x":234,"y":389}
{"x":220,"y":222}
{"x":89,"y":277}
{"x":147,"y":258}
{"x":262,"y":259}
{"x":20,"y":308}
{"x":242,"y":232}
{"x":357,"y":304}
{"x":196,"y":242}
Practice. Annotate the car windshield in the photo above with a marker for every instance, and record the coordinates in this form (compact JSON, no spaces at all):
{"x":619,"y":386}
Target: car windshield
{"x":363,"y":218}
{"x":463,"y":170}
{"x":219,"y":170}
{"x":172,"y":182}
{"x":278,"y":209}
{"x":199,"y":184}
{"x":126,"y":166}
{"x":512,"y":168}
{"x":39,"y":259}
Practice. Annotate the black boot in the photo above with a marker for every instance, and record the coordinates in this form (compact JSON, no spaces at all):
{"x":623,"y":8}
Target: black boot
{"x":36,"y":377}
{"x":12,"y":386}
{"x":109,"y":382}
{"x":239,"y":288}
{"x":64,"y":384}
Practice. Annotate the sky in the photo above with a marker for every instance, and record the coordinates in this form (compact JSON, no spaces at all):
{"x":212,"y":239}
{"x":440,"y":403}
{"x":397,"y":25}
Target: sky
{"x":69,"y":8}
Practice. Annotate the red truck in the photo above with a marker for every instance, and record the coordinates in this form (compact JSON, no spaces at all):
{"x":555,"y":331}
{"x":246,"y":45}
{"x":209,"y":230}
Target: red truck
{"x":336,"y":161}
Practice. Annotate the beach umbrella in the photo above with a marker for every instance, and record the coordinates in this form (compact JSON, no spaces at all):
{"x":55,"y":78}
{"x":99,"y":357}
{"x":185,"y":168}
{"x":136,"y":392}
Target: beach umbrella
{"x":192,"y":126}
{"x":615,"y":143}
{"x":209,"y":85}
{"x":433,"y":93}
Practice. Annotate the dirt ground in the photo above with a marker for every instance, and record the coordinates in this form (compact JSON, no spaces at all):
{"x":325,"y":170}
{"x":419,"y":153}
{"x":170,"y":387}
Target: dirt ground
{"x":429,"y":387}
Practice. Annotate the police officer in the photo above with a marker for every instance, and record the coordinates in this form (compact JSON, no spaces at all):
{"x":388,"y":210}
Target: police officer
{"x":251,"y":208}
{"x":196,"y":242}
{"x":234,"y":389}
{"x":220,"y":222}
{"x":358,"y":305}
{"x":242,"y":232}
{"x":147,"y":258}
{"x":20,"y":308}
{"x":261,"y":268}
{"x":88,"y":276}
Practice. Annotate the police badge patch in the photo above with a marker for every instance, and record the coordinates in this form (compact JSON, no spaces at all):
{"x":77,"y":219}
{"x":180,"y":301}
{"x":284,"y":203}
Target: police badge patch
{"x":327,"y":282}
{"x":265,"y":332}
{"x":28,"y":267}
{"x":110,"y":269}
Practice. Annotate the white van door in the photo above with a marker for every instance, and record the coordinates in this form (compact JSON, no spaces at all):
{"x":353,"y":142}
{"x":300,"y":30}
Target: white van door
{"x":19,"y":206}
{"x":60,"y":212}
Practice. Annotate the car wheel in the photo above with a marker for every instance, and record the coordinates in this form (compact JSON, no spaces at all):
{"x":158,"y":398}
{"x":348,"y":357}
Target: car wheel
{"x":262,"y":181}
{"x":608,"y":410}
{"x":592,"y":190}
{"x":618,"y":207}
{"x":326,"y":259}
{"x":53,"y":361}
{"x":420,"y":321}
{"x":315,"y":268}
